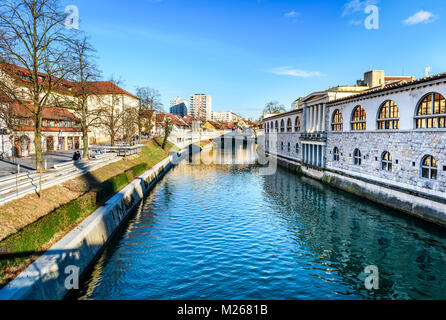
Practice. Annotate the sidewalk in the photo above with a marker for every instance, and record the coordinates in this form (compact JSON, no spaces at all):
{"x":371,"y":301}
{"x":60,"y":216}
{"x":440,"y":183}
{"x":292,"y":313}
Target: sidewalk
{"x":9,"y":165}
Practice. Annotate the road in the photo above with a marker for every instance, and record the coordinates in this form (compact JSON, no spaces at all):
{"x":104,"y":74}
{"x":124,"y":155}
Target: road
{"x":9,"y":166}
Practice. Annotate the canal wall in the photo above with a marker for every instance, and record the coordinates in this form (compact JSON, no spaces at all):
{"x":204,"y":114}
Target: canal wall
{"x":424,"y":206}
{"x":57,"y":270}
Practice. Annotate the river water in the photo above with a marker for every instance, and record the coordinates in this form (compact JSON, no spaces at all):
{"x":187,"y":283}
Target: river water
{"x":222,"y":231}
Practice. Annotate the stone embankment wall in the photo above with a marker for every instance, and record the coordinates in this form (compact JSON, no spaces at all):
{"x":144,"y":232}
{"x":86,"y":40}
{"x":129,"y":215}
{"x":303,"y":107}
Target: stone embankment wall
{"x":422,"y":205}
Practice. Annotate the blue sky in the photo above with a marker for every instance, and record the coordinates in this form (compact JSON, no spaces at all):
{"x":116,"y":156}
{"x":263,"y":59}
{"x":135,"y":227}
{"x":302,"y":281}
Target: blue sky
{"x":248,"y":52}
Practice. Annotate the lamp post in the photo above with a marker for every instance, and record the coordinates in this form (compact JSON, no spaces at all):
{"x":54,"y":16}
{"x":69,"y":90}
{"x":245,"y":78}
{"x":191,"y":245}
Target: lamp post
{"x":60,"y":140}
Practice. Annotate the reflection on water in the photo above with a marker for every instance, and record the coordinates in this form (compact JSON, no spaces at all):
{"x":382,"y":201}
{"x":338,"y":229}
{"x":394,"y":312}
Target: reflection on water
{"x":226,"y":232}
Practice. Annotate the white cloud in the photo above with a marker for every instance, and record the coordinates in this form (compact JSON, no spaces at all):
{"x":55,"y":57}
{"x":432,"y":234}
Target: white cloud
{"x":293,"y":72}
{"x":420,"y":17}
{"x":291,"y":14}
{"x":354,"y":6}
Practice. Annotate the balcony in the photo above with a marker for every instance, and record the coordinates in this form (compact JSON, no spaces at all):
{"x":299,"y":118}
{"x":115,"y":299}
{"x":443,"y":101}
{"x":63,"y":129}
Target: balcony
{"x":314,"y":136}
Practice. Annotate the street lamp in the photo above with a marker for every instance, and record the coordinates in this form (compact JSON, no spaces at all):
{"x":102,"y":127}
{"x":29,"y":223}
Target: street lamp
{"x":60,"y":140}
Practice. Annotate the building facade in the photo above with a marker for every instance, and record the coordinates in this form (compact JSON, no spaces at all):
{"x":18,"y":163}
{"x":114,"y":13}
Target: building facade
{"x":386,"y":142}
{"x":395,"y":135}
{"x":60,"y":131}
{"x":178,"y":107}
{"x":201,"y":107}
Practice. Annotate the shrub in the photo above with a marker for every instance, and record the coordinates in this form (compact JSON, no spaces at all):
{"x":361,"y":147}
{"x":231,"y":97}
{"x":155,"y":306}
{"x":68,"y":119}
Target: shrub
{"x":139,"y":169}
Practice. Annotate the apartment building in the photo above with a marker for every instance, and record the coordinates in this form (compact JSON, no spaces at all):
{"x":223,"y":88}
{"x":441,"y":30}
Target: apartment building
{"x":178,"y":107}
{"x":201,"y":107}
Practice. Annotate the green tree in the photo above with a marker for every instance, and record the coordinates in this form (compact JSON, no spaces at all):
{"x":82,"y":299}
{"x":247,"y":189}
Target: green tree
{"x":167,"y":128}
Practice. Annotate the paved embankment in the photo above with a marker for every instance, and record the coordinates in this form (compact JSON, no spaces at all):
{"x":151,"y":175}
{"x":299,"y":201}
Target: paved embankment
{"x":19,"y":185}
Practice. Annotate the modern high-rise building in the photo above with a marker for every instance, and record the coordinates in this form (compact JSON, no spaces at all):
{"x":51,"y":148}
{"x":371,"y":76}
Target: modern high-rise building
{"x":178,"y":107}
{"x":201,"y":106}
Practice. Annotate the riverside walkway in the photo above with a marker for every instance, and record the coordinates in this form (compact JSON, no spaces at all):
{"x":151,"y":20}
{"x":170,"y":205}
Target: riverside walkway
{"x":19,"y":185}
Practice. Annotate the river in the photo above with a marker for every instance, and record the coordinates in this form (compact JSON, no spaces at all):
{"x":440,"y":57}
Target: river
{"x":225,"y":231}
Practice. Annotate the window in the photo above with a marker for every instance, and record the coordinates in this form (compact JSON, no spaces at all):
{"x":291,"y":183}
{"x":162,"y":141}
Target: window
{"x":281,"y":146}
{"x":277,"y":126}
{"x":282,"y":126}
{"x":297,"y":125}
{"x":388,"y":118}
{"x":267,"y":128}
{"x":336,"y":155}
{"x":289,"y":147}
{"x":297,"y":148}
{"x":289,"y":126}
{"x":386,"y":162}
{"x":357,"y":159}
{"x":359,"y":119}
{"x":431,"y":112}
{"x":429,"y":168}
{"x":337,"y":123}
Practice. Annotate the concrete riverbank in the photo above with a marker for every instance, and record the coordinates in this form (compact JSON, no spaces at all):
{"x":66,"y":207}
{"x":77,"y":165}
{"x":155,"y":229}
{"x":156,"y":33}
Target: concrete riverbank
{"x":419,"y":205}
{"x":50,"y":277}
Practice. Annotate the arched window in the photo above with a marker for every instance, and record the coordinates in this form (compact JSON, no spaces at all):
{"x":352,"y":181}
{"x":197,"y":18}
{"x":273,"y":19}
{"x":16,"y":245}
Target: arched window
{"x":357,"y":159}
{"x":337,"y":123}
{"x":277,"y":126}
{"x":429,"y":168}
{"x":282,"y":126}
{"x":431,"y":112}
{"x":388,"y":118}
{"x":297,"y":125}
{"x":297,"y":148}
{"x":336,"y":154}
{"x":289,"y":147}
{"x":359,"y":119}
{"x":289,"y":126}
{"x":386,"y":161}
{"x":267,"y":127}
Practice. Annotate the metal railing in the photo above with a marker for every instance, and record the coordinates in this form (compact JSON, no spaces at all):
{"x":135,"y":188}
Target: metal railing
{"x":314,"y":136}
{"x":120,"y":150}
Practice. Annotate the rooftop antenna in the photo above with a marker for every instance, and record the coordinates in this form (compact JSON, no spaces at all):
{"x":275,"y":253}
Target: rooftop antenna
{"x":427,"y":70}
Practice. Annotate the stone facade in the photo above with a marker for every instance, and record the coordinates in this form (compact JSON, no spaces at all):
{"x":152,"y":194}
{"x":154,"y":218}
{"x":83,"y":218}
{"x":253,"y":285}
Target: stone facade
{"x":407,"y":149}
{"x":287,"y":143}
{"x":331,"y":152}
{"x":407,"y":144}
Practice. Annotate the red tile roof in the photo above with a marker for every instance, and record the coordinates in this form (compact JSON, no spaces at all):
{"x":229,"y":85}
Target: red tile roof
{"x":107,"y":87}
{"x":95,"y":87}
{"x":49,"y":113}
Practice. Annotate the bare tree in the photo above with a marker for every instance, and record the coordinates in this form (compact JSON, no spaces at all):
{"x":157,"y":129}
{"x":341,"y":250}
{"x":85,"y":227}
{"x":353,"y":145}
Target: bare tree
{"x":112,"y":111}
{"x":130,"y":120}
{"x":149,"y":99}
{"x":273,"y":107}
{"x":146,"y":122}
{"x":33,"y":38}
{"x":84,"y":70}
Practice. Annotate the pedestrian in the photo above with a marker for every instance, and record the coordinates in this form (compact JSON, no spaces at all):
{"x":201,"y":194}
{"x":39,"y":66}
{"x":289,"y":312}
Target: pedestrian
{"x":76,"y":156}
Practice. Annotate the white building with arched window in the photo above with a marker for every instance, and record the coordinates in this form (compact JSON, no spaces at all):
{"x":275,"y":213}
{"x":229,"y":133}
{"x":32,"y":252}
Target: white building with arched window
{"x":386,"y":143}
